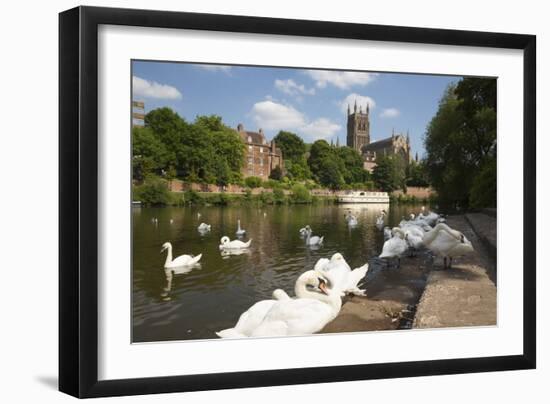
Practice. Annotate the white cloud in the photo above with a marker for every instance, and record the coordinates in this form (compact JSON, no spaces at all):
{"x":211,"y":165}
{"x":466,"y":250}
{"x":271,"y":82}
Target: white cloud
{"x":321,"y":128}
{"x":362,"y":102}
{"x":216,"y":68}
{"x":271,"y":115}
{"x":389,"y":113}
{"x":290,"y":87}
{"x":341,"y":80}
{"x":152,"y":89}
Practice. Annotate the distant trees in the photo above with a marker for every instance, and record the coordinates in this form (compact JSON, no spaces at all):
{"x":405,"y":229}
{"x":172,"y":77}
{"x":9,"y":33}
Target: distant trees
{"x":460,"y":144}
{"x":387,"y":174}
{"x":293,"y":149}
{"x":334,"y":167}
{"x":204,"y":151}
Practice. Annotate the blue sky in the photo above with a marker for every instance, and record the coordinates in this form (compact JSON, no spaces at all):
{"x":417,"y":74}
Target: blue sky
{"x":310,"y":103}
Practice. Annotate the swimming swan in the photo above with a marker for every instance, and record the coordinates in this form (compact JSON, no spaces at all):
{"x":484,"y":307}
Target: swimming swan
{"x":315,"y":306}
{"x":203,"y":227}
{"x":226,"y":244}
{"x":240,"y":232}
{"x":313,"y":240}
{"x":182,"y":260}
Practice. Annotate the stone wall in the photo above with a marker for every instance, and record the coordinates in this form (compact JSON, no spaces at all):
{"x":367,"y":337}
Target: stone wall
{"x":419,"y":192}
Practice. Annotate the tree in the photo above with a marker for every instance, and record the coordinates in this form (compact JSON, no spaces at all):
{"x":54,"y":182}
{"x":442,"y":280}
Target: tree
{"x":461,"y":138}
{"x":149,"y":154}
{"x":416,"y":175}
{"x":292,"y":146}
{"x":352,"y":165}
{"x":329,"y":173}
{"x":276,"y":174}
{"x":386,"y":174}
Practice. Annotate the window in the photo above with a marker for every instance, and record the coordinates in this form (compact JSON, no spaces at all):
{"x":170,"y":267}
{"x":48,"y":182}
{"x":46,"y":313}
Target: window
{"x":249,"y":139}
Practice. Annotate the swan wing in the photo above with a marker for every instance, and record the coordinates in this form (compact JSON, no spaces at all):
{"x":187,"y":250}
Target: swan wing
{"x":185,"y":259}
{"x":295,"y":317}
{"x":253,"y":317}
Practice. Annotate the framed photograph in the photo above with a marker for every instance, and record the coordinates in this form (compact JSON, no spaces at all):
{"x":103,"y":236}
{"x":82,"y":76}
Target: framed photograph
{"x":249,"y":201}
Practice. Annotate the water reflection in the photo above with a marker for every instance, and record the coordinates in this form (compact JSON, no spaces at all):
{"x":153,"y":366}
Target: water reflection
{"x":210,"y":296}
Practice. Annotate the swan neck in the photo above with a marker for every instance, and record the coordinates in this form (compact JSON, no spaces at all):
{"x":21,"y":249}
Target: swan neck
{"x":168,"y":256}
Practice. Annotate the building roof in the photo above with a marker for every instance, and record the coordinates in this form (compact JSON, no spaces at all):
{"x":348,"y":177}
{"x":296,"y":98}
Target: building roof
{"x":379,"y":143}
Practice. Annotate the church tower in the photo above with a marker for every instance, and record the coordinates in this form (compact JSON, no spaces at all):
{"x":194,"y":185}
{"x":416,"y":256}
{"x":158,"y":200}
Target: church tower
{"x":358,"y":128}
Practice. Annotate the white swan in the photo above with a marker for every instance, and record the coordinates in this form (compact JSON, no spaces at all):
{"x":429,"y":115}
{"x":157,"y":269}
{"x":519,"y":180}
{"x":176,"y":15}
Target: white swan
{"x":351,"y":219}
{"x":252,"y":318}
{"x":182,"y":260}
{"x":380,"y":220}
{"x":240,"y":232}
{"x":315,"y":306}
{"x":340,"y":275}
{"x":226,"y":244}
{"x":203,"y":227}
{"x":387,"y":233}
{"x":313,"y":240}
{"x":395,"y":246}
{"x":303,"y":231}
{"x":447,"y":243}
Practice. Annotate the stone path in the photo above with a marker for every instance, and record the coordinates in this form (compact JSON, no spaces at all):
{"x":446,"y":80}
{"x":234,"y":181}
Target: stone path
{"x":464,"y":295}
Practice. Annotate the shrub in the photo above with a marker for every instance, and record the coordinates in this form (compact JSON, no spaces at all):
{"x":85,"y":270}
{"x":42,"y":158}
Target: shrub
{"x":191,"y":197}
{"x":279,"y":196}
{"x":300,"y":194}
{"x":154,"y":191}
{"x":253,"y":182}
{"x":267,"y":197}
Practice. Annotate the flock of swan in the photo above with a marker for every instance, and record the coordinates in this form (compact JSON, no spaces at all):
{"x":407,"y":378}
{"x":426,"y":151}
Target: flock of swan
{"x":427,"y":231}
{"x":319,"y":291}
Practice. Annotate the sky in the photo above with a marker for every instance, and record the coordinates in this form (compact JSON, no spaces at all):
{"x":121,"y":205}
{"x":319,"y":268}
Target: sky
{"x":311,"y":103}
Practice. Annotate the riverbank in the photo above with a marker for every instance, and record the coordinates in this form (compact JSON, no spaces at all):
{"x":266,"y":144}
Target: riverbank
{"x":421,"y":294}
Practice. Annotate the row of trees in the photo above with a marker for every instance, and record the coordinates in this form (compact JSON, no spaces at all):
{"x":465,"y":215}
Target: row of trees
{"x":332,"y":167}
{"x":203,"y":151}
{"x":460,"y":144}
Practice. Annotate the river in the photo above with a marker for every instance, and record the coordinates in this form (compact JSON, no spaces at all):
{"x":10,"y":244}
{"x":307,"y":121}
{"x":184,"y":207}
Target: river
{"x":212,"y":295}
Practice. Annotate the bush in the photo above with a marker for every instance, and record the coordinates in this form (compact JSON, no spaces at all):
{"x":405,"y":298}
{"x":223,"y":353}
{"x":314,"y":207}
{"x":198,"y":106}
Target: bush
{"x":154,"y":191}
{"x":267,"y":198}
{"x":191,"y":197}
{"x":300,"y":194}
{"x":253,"y":182}
{"x":279,"y":196}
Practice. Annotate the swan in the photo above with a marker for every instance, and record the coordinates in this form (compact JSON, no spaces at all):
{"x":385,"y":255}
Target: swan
{"x":447,"y":243}
{"x":199,"y":215}
{"x":313,"y":240}
{"x":226,"y":244}
{"x":315,"y":306}
{"x":203,"y":227}
{"x":340,"y":275}
{"x":303,"y":231}
{"x":171,"y":221}
{"x":395,"y":246}
{"x":387,"y":233}
{"x":252,"y":318}
{"x":182,"y":260}
{"x":380,"y":220}
{"x":240,"y":232}
{"x":351,"y":219}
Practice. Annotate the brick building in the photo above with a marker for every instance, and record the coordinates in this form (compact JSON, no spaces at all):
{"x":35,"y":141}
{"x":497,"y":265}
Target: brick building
{"x":261,"y":156}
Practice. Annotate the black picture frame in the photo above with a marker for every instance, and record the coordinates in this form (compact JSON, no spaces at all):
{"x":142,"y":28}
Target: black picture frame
{"x":78,"y":200}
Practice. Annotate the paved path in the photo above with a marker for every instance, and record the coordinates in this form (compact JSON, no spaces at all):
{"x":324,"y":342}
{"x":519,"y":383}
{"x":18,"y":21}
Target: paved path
{"x":464,"y":295}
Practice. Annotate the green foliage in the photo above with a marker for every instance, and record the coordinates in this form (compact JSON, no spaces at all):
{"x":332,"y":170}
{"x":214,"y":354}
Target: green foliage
{"x":291,"y":145}
{"x":461,"y":139}
{"x":386,"y":175}
{"x":416,"y":175}
{"x":300,"y":194}
{"x":153,"y":192}
{"x":483,"y":193}
{"x":191,"y":197}
{"x":204,"y":151}
{"x":276,"y":174}
{"x":279,"y":196}
{"x":334,"y":167}
{"x":253,"y":182}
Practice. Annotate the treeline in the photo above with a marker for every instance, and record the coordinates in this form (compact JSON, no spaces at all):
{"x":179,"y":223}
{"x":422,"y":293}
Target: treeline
{"x":461,"y":145}
{"x":203,"y":151}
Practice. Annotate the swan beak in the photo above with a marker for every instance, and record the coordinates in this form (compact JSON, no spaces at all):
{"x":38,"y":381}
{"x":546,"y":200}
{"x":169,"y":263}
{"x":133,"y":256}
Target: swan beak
{"x":323,"y":286}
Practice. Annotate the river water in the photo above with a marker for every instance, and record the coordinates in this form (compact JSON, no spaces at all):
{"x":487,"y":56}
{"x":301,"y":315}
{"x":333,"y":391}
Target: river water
{"x":212,"y":295}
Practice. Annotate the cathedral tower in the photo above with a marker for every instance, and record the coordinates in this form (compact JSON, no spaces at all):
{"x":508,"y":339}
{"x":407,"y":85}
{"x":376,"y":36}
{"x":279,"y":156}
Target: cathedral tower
{"x":358,"y":128}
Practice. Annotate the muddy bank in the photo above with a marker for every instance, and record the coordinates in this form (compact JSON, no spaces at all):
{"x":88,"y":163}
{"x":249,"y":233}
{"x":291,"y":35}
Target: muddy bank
{"x":420,"y":294}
